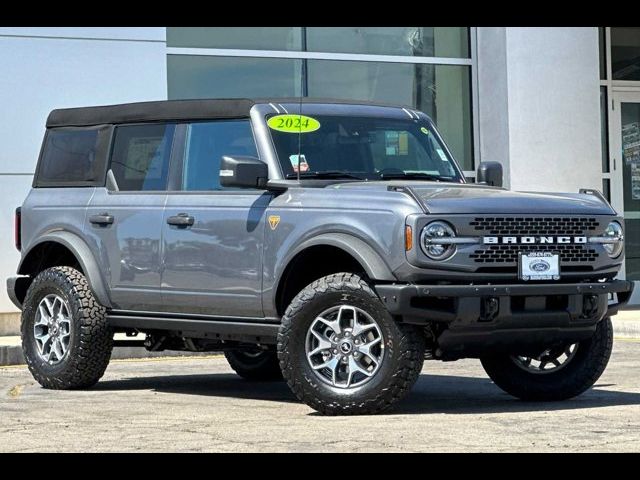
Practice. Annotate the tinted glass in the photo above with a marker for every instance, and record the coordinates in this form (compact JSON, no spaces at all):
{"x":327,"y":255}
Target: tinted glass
{"x":406,"y":41}
{"x":604,"y":129}
{"x":227,"y":77}
{"x":602,"y":41}
{"x":250,"y":38}
{"x":625,"y":53}
{"x":206,"y":144}
{"x":365,"y":147}
{"x":69,"y":156}
{"x":140,"y":158}
{"x":441,"y":91}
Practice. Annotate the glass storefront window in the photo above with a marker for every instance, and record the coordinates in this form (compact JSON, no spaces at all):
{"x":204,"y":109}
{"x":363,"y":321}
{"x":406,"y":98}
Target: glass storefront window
{"x":249,"y":38}
{"x":441,"y":91}
{"x":195,"y":76}
{"x":604,"y":130}
{"x":602,"y":41}
{"x":625,"y":53}
{"x":406,"y":41}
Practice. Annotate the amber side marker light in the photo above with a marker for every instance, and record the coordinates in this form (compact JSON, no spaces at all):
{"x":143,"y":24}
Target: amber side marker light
{"x":408,"y":238}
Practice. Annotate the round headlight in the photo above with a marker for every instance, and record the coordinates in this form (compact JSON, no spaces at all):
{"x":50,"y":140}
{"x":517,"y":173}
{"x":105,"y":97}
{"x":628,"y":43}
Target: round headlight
{"x":614,"y":231}
{"x":429,"y":241}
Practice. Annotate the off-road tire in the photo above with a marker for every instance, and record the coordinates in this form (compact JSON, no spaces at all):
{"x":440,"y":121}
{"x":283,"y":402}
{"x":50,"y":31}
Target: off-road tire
{"x":262,"y":367}
{"x":91,"y":339}
{"x":582,"y":371}
{"x":404,"y":349}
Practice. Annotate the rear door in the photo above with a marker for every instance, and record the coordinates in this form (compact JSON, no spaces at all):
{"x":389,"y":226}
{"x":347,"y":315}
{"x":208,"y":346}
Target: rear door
{"x":124,"y":219}
{"x":212,"y":264}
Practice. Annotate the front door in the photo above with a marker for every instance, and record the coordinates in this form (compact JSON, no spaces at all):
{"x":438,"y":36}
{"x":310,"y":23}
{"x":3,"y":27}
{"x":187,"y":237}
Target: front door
{"x":213,"y":237}
{"x":625,"y":175}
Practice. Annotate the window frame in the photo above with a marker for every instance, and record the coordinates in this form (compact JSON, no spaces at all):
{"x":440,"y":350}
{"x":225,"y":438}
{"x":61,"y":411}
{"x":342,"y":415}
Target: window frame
{"x":103,"y":142}
{"x":177,"y":166}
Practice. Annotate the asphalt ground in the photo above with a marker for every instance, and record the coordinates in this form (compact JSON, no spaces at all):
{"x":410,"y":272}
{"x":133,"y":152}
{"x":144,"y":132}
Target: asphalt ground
{"x":198,"y":404}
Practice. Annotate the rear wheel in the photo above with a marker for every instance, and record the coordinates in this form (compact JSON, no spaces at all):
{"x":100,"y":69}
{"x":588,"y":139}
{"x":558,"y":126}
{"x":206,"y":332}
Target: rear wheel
{"x":254,"y":364}
{"x":342,"y":353}
{"x":557,"y":373}
{"x":66,"y":338}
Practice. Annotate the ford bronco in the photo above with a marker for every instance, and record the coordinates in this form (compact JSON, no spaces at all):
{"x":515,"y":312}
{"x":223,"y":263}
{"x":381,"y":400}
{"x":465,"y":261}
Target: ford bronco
{"x":336,"y":244}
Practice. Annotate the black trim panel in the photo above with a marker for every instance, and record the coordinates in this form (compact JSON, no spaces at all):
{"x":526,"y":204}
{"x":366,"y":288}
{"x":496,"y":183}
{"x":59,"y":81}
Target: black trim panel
{"x":235,"y":330}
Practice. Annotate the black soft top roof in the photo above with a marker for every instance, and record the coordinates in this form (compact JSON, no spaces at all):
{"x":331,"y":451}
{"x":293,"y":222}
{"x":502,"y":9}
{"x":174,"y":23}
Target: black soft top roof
{"x":168,"y":110}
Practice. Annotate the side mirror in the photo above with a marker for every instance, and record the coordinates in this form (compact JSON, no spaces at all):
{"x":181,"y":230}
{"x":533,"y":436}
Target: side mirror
{"x":490,"y":173}
{"x":243,"y":172}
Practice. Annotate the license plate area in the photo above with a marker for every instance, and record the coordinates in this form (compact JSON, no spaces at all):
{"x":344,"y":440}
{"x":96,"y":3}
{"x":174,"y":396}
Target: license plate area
{"x":539,"y":266}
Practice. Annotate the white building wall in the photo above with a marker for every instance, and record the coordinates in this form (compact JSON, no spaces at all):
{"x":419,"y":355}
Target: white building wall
{"x":539,"y":106}
{"x":553,"y":87}
{"x":47,"y":68}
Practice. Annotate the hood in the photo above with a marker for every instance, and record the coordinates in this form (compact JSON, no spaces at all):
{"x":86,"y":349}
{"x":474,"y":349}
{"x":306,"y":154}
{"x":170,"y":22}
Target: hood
{"x":453,"y":198}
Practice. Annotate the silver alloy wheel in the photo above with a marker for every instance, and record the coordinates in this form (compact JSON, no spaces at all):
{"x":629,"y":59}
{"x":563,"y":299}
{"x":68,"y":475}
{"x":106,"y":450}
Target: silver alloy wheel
{"x":549,"y":361}
{"x":52,"y":329}
{"x":344,"y":346}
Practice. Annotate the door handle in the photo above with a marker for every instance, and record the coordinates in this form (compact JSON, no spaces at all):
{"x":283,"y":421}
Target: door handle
{"x":101,"y":219}
{"x":181,"y":220}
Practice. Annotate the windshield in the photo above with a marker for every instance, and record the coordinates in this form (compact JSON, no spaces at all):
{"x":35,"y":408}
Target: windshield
{"x":360,"y":147}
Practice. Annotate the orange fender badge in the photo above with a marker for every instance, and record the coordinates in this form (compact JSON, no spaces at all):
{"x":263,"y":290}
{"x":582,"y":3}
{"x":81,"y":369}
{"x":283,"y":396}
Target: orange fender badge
{"x":274,"y":220}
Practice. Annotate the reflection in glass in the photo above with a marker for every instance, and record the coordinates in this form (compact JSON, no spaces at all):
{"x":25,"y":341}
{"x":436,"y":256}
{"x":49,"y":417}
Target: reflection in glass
{"x":603,"y":52}
{"x":625,"y":53}
{"x":406,"y":41}
{"x":630,"y":116}
{"x":249,"y":38}
{"x":441,"y":91}
{"x":604,"y":130}
{"x":192,"y":76}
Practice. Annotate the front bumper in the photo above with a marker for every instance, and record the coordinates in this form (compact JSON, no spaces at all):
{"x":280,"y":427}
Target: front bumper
{"x":483,"y":318}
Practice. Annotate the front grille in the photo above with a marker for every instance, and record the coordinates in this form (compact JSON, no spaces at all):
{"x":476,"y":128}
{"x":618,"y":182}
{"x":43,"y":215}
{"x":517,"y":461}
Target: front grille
{"x":536,"y":226}
{"x":509,"y":253}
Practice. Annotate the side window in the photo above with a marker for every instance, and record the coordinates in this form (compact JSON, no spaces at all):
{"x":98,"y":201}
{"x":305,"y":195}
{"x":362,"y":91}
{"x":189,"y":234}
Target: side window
{"x":206,"y":144}
{"x":69,"y":158}
{"x":140,"y":156}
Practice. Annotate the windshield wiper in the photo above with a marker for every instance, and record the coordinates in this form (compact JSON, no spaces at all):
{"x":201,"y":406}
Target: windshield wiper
{"x":324,"y":174}
{"x":411,"y":175}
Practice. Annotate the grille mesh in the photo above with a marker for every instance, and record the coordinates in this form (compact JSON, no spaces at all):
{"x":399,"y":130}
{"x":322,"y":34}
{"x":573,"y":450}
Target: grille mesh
{"x":535,"y":225}
{"x":518,"y":226}
{"x":509,"y":253}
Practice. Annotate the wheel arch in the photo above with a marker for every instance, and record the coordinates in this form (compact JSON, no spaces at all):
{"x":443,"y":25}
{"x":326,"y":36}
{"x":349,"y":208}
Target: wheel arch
{"x":353,"y":251}
{"x":66,"y":245}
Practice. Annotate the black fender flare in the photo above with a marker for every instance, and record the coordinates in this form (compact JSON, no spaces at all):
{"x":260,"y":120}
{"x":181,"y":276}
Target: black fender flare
{"x":83,"y":254}
{"x":374,"y":265}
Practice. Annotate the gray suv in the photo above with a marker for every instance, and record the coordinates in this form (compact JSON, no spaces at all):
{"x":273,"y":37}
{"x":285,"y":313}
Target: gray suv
{"x":335,"y":244}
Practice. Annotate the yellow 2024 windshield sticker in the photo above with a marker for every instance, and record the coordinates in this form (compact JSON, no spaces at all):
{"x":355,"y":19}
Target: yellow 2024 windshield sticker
{"x":293,"y":123}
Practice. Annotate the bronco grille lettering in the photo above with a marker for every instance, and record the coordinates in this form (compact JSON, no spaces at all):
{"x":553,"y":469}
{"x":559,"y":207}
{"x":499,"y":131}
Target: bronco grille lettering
{"x":531,"y":240}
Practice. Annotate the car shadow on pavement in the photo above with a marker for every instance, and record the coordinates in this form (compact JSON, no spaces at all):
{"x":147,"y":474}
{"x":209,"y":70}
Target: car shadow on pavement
{"x":464,"y":395}
{"x":431,"y":394}
{"x":213,"y":385}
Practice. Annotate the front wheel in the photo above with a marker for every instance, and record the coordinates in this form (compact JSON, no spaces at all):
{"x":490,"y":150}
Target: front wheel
{"x":557,"y":373}
{"x":342,"y":353}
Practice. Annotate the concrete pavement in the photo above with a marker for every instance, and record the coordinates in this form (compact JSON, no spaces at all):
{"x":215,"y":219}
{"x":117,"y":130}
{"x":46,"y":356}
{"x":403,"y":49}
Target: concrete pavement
{"x":198,"y":404}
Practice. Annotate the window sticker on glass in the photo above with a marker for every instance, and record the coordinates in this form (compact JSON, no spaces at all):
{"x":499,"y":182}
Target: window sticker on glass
{"x":293,"y":123}
{"x":299,"y":162}
{"x":443,"y":157}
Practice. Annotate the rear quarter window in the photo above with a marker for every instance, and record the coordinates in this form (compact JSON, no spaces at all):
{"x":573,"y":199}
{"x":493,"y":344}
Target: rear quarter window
{"x":72,"y":157}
